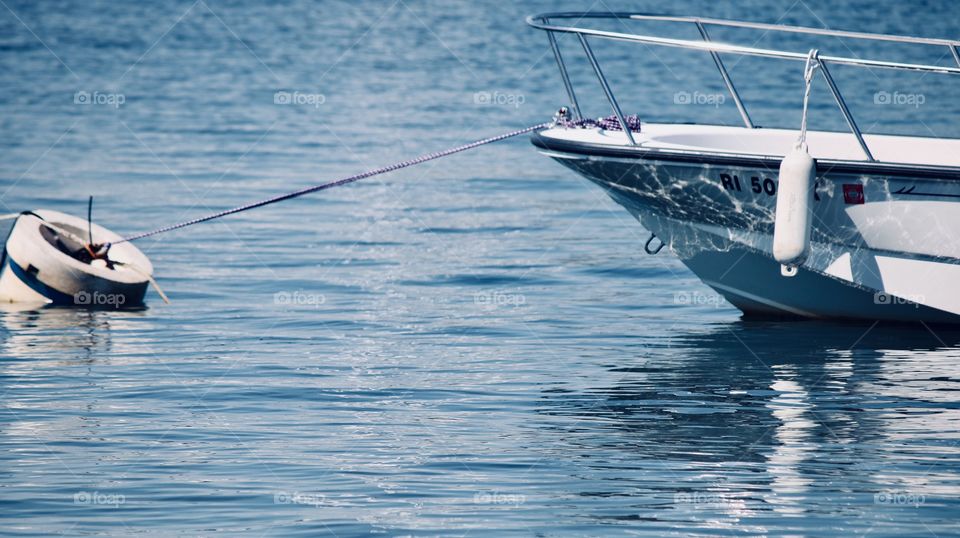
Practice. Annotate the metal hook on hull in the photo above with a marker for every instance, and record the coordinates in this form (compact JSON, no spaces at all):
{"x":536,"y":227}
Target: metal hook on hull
{"x":646,"y":246}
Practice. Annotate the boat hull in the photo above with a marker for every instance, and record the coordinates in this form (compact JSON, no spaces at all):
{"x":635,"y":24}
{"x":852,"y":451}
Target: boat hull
{"x":884,"y":245}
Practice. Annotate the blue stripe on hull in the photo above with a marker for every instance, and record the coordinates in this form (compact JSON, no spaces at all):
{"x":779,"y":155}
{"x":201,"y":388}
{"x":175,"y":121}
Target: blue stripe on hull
{"x":56,"y":296}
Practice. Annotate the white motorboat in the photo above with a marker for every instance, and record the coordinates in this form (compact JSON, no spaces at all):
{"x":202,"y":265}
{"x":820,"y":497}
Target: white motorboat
{"x":884,"y":226}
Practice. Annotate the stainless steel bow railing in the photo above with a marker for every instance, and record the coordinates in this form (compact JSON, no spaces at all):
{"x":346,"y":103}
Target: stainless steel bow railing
{"x":545,"y":22}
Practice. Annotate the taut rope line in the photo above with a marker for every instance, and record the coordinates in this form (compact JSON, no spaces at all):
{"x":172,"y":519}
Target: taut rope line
{"x":337,"y":183}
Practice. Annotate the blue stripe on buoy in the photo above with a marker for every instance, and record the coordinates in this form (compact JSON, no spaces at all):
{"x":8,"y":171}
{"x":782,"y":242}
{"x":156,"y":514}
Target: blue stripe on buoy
{"x":57,"y":296}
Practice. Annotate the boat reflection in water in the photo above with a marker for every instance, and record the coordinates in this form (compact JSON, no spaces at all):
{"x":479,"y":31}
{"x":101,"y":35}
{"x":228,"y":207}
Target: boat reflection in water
{"x":744,"y":422}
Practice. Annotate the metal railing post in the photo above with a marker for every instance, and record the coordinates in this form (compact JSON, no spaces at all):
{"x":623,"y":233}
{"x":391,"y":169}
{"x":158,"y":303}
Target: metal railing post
{"x":606,"y":89}
{"x":956,"y":53}
{"x":726,"y":79}
{"x":846,"y":111}
{"x":565,"y":76}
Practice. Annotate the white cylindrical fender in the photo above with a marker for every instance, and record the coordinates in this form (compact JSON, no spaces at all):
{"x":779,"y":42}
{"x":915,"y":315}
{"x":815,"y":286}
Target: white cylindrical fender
{"x":794,"y":216}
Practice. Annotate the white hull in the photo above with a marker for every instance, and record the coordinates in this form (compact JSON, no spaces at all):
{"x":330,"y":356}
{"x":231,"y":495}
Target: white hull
{"x":884,"y":243}
{"x":750,"y":279}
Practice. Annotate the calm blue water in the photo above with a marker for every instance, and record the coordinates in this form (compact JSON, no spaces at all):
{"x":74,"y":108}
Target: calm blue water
{"x":476,"y":346}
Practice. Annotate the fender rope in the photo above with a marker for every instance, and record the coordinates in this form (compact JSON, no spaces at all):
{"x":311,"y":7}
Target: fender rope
{"x":337,"y":183}
{"x":813,"y":61}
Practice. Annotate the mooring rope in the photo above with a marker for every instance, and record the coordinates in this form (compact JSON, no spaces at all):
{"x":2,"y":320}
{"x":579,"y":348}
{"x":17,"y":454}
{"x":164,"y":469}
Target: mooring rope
{"x":101,"y":251}
{"x":337,"y":183}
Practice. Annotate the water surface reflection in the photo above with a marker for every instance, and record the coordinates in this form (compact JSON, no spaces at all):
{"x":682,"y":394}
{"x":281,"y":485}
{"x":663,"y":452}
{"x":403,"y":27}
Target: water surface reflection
{"x":731,"y":425}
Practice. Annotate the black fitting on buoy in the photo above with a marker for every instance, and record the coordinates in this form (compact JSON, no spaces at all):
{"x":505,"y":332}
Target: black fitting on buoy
{"x":91,"y":252}
{"x":103,"y":250}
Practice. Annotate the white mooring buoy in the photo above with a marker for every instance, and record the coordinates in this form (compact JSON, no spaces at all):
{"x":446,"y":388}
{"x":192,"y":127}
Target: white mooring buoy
{"x":58,"y":259}
{"x":794,"y":215}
